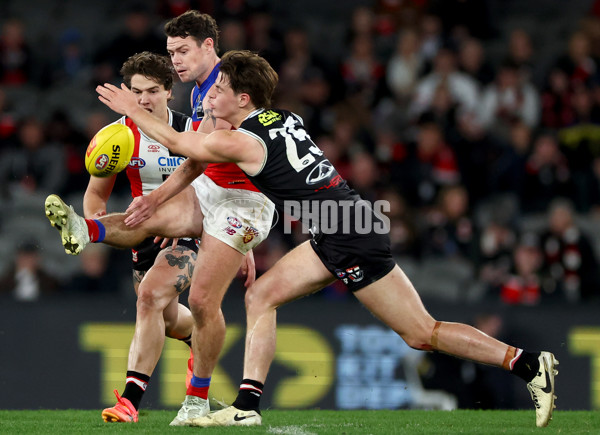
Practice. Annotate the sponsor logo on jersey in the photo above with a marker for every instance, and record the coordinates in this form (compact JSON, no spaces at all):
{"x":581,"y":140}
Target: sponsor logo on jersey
{"x":268,"y":117}
{"x":101,"y":162}
{"x":153,"y":148}
{"x":137,"y":163}
{"x":229,"y":231}
{"x":340,"y":273}
{"x":355,"y":274}
{"x":322,"y":171}
{"x":170,"y":161}
{"x":249,"y":234}
{"x":335,"y":181}
{"x":234,"y":222}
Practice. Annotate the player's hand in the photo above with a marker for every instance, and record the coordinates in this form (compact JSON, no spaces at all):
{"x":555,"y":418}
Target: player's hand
{"x":140,"y":209}
{"x":120,"y":100}
{"x":164,"y":242}
{"x":248,"y":269}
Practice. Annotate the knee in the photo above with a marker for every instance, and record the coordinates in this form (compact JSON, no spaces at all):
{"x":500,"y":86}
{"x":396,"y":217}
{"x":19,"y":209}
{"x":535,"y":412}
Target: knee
{"x":202,"y":304}
{"x":422,"y":336}
{"x":258,"y":299}
{"x":148,"y":300}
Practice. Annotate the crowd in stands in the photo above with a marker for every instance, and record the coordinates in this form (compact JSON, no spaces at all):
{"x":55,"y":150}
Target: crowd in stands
{"x":490,"y":159}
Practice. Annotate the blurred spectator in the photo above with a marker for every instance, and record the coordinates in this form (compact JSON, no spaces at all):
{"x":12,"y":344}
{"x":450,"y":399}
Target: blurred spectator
{"x":137,"y":35}
{"x":404,"y":234}
{"x":171,"y":8}
{"x":15,"y":54}
{"x":32,"y":165}
{"x":425,"y":167}
{"x":364,"y":175}
{"x":520,"y":54}
{"x":297,"y":60}
{"x":547,"y":175}
{"x":570,"y":263}
{"x":462,"y":88}
{"x":232,"y":36}
{"x":8,"y":121}
{"x":507,"y":100}
{"x":69,"y":63}
{"x":62,"y":133}
{"x":263,"y":37}
{"x":27,"y":279}
{"x":497,"y":241}
{"x":580,"y":144}
{"x":405,"y":65}
{"x":93,"y":276}
{"x":363,"y":74}
{"x":522,"y":286}
{"x":577,"y":62}
{"x":472,"y":61}
{"x":449,"y":229}
{"x":506,"y":171}
{"x":557,"y":106}
{"x":431,"y":36}
{"x":362,"y":23}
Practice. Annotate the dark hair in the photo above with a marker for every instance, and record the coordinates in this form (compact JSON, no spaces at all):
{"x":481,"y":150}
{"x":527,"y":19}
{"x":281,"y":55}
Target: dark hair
{"x":151,"y":65}
{"x":195,"y":24}
{"x":251,"y":74}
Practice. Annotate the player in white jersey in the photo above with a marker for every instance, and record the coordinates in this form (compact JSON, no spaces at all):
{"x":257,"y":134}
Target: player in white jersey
{"x":159,"y":275}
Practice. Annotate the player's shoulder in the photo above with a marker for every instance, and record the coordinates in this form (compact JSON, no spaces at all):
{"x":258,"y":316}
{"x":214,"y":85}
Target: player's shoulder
{"x":269,"y":118}
{"x":180,"y":121}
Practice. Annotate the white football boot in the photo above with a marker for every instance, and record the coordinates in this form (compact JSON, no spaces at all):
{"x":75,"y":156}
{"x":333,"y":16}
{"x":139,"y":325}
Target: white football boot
{"x":541,"y":389}
{"x":230,"y":416}
{"x":192,"y":407}
{"x":72,"y":227}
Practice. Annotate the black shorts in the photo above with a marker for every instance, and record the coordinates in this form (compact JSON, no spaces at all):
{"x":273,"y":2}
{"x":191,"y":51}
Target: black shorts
{"x":355,"y":259}
{"x":144,"y":254}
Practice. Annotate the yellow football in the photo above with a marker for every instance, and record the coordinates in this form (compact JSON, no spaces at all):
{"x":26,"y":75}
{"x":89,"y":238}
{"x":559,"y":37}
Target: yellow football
{"x":110,"y":150}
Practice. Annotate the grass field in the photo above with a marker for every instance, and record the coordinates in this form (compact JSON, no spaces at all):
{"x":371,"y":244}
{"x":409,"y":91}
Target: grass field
{"x":313,"y":422}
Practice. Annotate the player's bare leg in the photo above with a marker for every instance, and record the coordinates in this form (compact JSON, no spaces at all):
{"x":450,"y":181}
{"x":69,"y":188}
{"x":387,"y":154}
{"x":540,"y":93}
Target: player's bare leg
{"x":158,"y":310}
{"x":219,"y":263}
{"x":158,"y":314}
{"x":180,"y":216}
{"x":298,"y":273}
{"x":395,"y":302}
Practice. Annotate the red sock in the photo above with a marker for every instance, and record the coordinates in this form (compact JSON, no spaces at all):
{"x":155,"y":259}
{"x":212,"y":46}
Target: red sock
{"x":96,"y":230}
{"x":201,"y":392}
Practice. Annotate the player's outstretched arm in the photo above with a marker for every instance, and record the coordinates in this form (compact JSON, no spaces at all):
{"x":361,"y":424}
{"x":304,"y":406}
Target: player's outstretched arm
{"x":143,"y":207}
{"x":96,"y":196}
{"x":189,"y":143}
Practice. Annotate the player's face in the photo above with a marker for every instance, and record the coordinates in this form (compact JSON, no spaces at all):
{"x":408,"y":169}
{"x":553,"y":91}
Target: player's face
{"x":191,"y":61}
{"x":221,"y":99}
{"x":151,"y":96}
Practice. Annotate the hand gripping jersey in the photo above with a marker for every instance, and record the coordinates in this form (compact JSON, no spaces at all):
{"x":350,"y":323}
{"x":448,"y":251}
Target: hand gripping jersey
{"x":152,"y":162}
{"x":227,"y":175}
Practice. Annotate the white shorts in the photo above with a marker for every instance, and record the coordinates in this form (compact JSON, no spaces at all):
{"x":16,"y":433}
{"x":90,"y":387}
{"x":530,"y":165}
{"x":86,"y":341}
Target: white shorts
{"x":238,"y":217}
